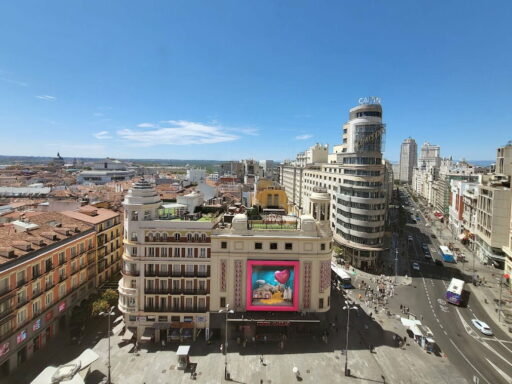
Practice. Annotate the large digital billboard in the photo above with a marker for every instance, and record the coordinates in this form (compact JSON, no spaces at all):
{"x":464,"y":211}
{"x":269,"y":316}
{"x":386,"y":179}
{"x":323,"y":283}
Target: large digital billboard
{"x":272,"y":285}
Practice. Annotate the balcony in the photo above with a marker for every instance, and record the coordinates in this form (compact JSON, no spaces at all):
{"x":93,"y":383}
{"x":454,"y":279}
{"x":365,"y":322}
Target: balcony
{"x":21,"y":283}
{"x":130,"y":272}
{"x":156,"y":291}
{"x":175,"y":309}
{"x":48,"y":286}
{"x":7,"y":294}
{"x":21,"y":302}
{"x":150,"y":273}
{"x":6,"y":312}
{"x":37,"y":293}
{"x":62,"y":278}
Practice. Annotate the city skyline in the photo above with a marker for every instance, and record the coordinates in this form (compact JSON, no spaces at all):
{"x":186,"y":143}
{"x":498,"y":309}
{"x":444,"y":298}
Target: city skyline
{"x":249,"y":81}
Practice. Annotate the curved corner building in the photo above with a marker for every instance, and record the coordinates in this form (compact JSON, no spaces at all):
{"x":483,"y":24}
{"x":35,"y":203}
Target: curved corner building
{"x":361,"y":202}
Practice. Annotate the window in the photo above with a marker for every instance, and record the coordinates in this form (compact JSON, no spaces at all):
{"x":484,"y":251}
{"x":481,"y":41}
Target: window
{"x":322,"y":247}
{"x":62,"y":258}
{"x":321,"y":303}
{"x":163,"y":252}
{"x":190,"y":252}
{"x":20,"y":278}
{"x":177,"y":236}
{"x":22,"y":316}
{"x":36,"y":308}
{"x":273,"y":245}
{"x":134,"y":251}
{"x":49,"y":299}
{"x":134,"y":236}
{"x":73,"y":252}
{"x":288,"y":246}
{"x":223,"y":302}
{"x":223,"y":244}
{"x":35,"y":271}
{"x":62,"y":290}
{"x":202,"y":252}
{"x":189,"y":236}
{"x":22,"y":296}
{"x":151,"y":252}
{"x":4,"y":285}
{"x":258,"y":246}
{"x":176,"y":252}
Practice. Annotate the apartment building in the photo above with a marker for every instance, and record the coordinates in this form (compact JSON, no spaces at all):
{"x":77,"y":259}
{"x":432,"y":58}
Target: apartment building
{"x":276,"y":276}
{"x":109,"y":239}
{"x":164,"y":293}
{"x":462,"y":208}
{"x":47,"y":266}
{"x":359,"y":183}
{"x":408,"y":160}
{"x":493,"y":210}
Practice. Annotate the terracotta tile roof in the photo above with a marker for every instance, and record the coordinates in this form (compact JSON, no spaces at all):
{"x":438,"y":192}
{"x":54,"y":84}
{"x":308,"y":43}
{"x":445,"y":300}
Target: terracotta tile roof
{"x":22,"y":242}
{"x":91,"y":214}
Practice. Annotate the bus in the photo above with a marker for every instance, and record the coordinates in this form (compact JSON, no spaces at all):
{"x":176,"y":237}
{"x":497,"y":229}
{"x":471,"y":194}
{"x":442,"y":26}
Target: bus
{"x":447,"y":254}
{"x":341,"y":276}
{"x":454,"y":291}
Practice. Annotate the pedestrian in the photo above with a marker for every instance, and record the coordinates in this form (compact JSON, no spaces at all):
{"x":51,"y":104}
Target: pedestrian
{"x":261,"y":359}
{"x":405,"y":340}
{"x":421,"y":317}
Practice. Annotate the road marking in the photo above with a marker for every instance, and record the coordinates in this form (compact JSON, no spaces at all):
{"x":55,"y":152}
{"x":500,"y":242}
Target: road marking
{"x":469,"y":362}
{"x":496,"y":353}
{"x":505,"y":376}
{"x":496,"y":339}
{"x":445,"y":332}
{"x":466,"y":326}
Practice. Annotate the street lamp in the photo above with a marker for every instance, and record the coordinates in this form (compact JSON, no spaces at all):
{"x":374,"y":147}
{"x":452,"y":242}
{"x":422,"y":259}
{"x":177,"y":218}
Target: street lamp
{"x":108,"y":314}
{"x":396,"y":264}
{"x":227,"y":311}
{"x":348,"y":308}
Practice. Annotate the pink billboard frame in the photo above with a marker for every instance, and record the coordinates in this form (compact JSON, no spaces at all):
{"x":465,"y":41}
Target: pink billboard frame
{"x":282,"y":263}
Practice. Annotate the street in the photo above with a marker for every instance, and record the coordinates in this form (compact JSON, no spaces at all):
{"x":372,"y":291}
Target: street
{"x":487,"y":358}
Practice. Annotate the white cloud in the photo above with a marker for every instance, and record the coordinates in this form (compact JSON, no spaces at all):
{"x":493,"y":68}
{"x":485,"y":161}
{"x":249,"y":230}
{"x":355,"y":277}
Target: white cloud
{"x":177,"y":132}
{"x":147,"y":125}
{"x":15,"y":82}
{"x":303,"y":137}
{"x":97,"y":114}
{"x":46,"y":97}
{"x":102,"y":135}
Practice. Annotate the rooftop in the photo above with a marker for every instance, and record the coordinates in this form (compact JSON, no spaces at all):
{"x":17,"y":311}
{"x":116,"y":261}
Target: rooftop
{"x":91,"y":214}
{"x":40,"y":231}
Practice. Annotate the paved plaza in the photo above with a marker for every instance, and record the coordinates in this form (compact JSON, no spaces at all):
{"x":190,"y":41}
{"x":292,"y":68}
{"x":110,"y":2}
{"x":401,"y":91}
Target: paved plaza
{"x":316,"y":360}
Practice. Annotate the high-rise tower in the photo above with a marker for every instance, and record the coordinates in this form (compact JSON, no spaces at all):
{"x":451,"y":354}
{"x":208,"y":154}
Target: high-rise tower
{"x":408,"y":159}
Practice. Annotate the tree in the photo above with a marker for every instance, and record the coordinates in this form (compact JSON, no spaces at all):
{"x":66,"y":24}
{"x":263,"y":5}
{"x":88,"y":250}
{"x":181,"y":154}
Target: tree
{"x":111,"y":297}
{"x":100,"y":305}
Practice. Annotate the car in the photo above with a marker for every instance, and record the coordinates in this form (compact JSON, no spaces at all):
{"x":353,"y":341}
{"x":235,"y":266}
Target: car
{"x":439,"y":262}
{"x":416,"y":266}
{"x":433,"y":236}
{"x":482,"y":327}
{"x":410,"y":238}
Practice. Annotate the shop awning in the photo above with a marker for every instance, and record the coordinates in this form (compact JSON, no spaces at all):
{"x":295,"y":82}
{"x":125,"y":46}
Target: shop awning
{"x":461,"y":236}
{"x":128,"y":335}
{"x":416,"y":331}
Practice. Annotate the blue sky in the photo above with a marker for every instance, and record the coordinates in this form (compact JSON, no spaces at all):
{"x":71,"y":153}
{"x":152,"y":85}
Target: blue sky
{"x":239,"y":79}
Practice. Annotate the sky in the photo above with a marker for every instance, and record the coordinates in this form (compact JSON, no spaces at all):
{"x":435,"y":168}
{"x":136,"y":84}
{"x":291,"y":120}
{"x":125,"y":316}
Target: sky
{"x":250,"y":79}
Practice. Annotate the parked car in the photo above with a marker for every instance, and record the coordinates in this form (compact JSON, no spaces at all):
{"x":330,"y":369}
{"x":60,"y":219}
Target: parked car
{"x":439,"y":262}
{"x":482,"y":327}
{"x":416,"y":266}
{"x":410,"y":238}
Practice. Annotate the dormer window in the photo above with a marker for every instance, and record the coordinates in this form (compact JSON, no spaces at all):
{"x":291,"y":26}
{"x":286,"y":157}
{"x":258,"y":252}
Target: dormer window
{"x":177,"y":236}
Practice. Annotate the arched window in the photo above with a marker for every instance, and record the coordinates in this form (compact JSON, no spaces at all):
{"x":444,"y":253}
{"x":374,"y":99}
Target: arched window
{"x":164,"y":236}
{"x":177,"y":236}
{"x":203,"y":237}
{"x":150,"y":237}
{"x":189,"y":236}
{"x":196,"y":237}
{"x":157,"y":237}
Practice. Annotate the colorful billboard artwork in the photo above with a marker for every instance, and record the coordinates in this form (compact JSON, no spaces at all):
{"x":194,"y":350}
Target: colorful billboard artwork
{"x":272,"y":285}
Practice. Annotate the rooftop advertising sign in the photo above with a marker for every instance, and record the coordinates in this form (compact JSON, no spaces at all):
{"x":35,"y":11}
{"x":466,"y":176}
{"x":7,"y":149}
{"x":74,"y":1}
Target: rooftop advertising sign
{"x":369,"y":100}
